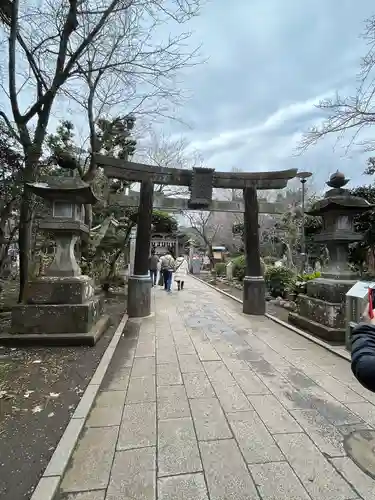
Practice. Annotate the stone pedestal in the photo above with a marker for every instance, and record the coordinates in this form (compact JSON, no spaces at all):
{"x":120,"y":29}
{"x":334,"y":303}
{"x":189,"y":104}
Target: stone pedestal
{"x":55,"y":290}
{"x":59,"y":311}
{"x":139,"y":296}
{"x":321,"y":311}
{"x":254,"y":290}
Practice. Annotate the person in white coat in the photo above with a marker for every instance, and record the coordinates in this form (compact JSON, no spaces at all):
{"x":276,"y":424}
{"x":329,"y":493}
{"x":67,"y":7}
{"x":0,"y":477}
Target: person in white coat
{"x":181,"y":271}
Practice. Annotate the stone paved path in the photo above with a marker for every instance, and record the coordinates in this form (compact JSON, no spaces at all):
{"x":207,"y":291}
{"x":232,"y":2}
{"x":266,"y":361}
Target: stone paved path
{"x":201,"y":402}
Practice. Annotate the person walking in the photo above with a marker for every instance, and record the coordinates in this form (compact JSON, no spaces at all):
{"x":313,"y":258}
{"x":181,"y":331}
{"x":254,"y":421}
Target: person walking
{"x":160,"y":274}
{"x":167,"y":268}
{"x":181,"y":271}
{"x":153,"y":267}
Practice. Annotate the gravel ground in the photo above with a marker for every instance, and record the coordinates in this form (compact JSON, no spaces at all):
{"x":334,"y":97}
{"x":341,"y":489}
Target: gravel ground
{"x":39,"y":391}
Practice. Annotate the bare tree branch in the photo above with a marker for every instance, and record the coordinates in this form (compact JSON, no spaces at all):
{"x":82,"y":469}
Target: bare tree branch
{"x":10,"y":126}
{"x":352,"y":114}
{"x":201,"y":222}
{"x":165,"y":151}
{"x":108,"y":56}
{"x":12,"y":59}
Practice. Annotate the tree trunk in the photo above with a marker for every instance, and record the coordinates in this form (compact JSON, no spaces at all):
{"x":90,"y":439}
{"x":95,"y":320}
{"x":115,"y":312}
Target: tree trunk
{"x":117,"y":255}
{"x":112,"y":267}
{"x":24,"y":241}
{"x":211,"y":256}
{"x":32,"y":156}
{"x":85,"y":242}
{"x":209,"y":251}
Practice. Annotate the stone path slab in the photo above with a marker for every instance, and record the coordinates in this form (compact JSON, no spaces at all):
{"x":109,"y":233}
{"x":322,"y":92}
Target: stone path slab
{"x":202,"y":402}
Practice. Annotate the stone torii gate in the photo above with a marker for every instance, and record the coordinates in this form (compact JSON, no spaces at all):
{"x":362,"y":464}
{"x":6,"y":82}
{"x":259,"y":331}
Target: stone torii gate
{"x":201,"y":182}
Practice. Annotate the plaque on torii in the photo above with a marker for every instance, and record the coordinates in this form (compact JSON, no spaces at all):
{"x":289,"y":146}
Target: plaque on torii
{"x":201,"y":189}
{"x":200,"y":182}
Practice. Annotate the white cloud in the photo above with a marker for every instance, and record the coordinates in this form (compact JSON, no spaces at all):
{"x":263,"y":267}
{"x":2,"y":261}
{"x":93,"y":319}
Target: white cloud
{"x":275,"y":121}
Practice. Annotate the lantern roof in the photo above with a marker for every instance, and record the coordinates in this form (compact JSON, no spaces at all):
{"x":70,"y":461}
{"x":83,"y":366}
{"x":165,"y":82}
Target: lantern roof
{"x":69,"y":189}
{"x":345,"y":202}
{"x":339,"y":198}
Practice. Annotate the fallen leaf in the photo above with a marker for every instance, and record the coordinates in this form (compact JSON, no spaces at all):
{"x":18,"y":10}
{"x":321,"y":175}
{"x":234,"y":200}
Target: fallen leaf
{"x":50,"y":414}
{"x":6,"y":395}
{"x":37,"y":409}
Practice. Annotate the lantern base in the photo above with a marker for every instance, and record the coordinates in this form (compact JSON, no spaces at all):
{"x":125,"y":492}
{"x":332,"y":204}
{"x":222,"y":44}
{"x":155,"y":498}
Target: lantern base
{"x":321,"y":311}
{"x":58,"y":323}
{"x":58,"y":339}
{"x":333,"y":335}
{"x":58,"y":290}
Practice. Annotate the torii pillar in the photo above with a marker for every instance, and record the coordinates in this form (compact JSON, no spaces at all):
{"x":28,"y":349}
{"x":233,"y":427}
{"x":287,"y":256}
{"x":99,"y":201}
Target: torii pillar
{"x":254,"y":287}
{"x":139,"y":283}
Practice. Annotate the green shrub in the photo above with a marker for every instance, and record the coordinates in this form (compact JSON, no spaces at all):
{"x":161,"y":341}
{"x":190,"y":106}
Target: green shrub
{"x":301,"y":281}
{"x":279,"y":280}
{"x":220,"y":268}
{"x":309,"y":277}
{"x":239,"y":267}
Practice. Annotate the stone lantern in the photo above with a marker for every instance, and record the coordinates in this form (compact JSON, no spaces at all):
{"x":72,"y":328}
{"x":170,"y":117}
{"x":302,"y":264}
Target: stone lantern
{"x":65,"y":198}
{"x":337,"y":210}
{"x":322,"y":310}
{"x":61,"y":306}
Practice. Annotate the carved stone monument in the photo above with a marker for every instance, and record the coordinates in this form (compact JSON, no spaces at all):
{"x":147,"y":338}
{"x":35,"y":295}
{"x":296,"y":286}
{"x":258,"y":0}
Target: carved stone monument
{"x":322,"y":309}
{"x":229,"y":271}
{"x":61,"y":305}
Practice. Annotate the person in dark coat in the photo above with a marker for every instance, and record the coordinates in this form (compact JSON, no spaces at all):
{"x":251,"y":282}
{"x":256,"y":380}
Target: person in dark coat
{"x":153,"y":266}
{"x":363,"y":352}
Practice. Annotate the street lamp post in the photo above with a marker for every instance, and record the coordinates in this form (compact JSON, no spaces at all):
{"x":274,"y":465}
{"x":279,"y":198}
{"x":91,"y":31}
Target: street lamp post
{"x":303,"y":176}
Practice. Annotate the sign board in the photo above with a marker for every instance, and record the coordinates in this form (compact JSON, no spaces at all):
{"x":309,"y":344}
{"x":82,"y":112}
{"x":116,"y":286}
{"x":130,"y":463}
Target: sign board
{"x":356,"y":300}
{"x":360,"y":289}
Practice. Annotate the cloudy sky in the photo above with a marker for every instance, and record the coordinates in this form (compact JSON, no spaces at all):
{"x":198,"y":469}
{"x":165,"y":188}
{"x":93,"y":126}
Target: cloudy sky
{"x":269,"y":62}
